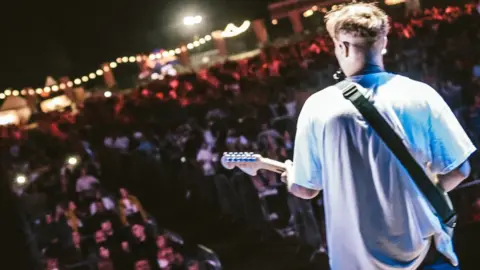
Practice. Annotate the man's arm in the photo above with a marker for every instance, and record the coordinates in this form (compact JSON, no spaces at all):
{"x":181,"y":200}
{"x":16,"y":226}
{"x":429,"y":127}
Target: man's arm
{"x":450,"y":146}
{"x":78,"y":186}
{"x":297,"y":190}
{"x":304,"y":175}
{"x":304,"y":193}
{"x":452,"y":179}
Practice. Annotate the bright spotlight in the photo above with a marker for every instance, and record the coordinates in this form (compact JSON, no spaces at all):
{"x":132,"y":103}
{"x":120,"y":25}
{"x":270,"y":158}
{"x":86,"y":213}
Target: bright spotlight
{"x":72,"y":161}
{"x":21,"y":179}
{"x":192,"y":20}
{"x":107,"y":94}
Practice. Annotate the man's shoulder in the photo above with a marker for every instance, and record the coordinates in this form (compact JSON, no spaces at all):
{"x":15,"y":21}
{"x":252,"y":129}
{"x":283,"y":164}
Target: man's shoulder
{"x":408,"y":83}
{"x":323,"y":96}
{"x":416,"y":93}
{"x":396,"y":86}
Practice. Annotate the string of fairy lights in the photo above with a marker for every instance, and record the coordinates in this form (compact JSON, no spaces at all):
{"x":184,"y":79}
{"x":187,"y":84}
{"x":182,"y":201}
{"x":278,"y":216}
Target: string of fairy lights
{"x":231,"y":30}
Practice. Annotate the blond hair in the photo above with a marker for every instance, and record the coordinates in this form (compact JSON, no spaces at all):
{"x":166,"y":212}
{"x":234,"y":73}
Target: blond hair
{"x":362,"y":20}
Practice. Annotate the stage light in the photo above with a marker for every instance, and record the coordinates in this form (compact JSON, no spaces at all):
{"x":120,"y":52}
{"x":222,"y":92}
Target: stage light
{"x":232,"y":30}
{"x":190,"y":20}
{"x":21,"y":179}
{"x":107,"y":94}
{"x":72,"y":161}
{"x":308,"y":13}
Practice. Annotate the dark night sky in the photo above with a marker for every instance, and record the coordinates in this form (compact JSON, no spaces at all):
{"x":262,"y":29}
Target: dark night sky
{"x":71,"y":38}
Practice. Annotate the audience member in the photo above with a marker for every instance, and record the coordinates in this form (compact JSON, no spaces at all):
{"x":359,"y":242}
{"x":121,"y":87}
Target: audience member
{"x":130,"y":208}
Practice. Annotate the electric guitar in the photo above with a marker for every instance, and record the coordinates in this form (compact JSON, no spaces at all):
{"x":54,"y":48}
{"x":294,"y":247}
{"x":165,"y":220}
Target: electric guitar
{"x":250,"y":163}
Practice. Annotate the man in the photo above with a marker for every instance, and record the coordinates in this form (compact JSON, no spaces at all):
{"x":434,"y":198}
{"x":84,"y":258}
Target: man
{"x":85,"y":182}
{"x":74,"y":253}
{"x":376,"y":217}
{"x":206,"y":158}
{"x":142,"y":264}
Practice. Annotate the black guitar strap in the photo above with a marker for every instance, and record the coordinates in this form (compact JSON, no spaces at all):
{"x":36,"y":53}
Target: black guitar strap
{"x":437,"y":197}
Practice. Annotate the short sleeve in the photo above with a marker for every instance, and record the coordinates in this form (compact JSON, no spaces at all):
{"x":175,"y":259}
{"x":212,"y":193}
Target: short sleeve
{"x":450,"y":145}
{"x":306,"y":162}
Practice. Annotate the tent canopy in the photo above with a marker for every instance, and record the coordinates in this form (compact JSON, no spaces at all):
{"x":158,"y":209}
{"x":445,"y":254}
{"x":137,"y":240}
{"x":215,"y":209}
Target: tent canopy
{"x":13,"y":103}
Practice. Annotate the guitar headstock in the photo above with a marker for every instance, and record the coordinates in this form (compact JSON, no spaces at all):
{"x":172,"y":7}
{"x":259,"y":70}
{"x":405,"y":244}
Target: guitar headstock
{"x":248,"y":162}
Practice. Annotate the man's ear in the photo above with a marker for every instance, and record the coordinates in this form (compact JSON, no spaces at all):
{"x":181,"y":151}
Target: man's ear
{"x":344,"y":48}
{"x":385,"y":43}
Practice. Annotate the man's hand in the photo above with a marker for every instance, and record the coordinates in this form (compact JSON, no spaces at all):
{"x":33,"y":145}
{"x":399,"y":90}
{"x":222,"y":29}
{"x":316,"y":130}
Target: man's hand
{"x":428,"y":170}
{"x":287,"y":176}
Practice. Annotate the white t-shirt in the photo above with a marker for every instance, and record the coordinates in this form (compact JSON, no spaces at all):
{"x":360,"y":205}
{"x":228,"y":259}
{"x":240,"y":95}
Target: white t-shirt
{"x":206,"y":157}
{"x":130,"y":208}
{"x":209,"y":138}
{"x":476,"y":69}
{"x":107,"y":203}
{"x":162,"y":263}
{"x":376,"y":217}
{"x":85,"y":183}
{"x":291,"y":108}
{"x":120,"y":143}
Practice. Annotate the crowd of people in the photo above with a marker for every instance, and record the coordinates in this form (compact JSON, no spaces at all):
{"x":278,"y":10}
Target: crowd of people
{"x":91,"y":228}
{"x":163,"y":141}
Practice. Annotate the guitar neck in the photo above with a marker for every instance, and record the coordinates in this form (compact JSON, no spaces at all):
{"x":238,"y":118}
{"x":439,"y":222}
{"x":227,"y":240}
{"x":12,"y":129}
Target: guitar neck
{"x":272,"y":165}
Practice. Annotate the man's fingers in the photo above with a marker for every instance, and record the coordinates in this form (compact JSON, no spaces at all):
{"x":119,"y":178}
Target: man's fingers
{"x":288,"y":162}
{"x":283,"y":177}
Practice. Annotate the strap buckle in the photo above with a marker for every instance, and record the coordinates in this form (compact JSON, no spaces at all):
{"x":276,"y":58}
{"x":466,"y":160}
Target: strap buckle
{"x":349,"y":90}
{"x":451,"y":221}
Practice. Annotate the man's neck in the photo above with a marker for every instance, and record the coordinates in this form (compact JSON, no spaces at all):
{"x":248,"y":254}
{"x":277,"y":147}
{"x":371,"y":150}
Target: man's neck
{"x":369,"y":69}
